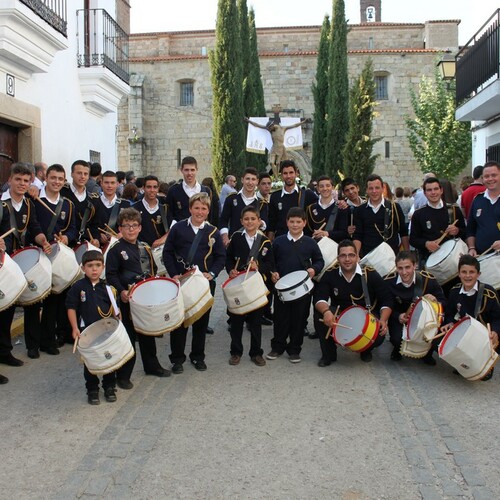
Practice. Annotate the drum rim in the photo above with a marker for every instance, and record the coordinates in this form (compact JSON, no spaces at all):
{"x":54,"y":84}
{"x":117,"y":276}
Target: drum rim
{"x":439,"y":312}
{"x":450,"y":331}
{"x":455,"y":243}
{"x":239,"y":274}
{"x":154,"y":278}
{"x":284,"y":290}
{"x":361,"y":335}
{"x":29,"y":247}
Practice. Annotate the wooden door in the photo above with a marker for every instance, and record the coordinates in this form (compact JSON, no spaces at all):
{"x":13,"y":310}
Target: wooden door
{"x":8,"y":150}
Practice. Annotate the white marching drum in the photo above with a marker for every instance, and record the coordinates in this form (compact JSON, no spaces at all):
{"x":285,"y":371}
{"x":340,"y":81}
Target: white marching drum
{"x":156,"y":306}
{"x":105,"y":346}
{"x":443,"y":263}
{"x":293,"y":286}
{"x":196,"y":294}
{"x":158,"y":258}
{"x":490,"y":269}
{"x":244,"y":294}
{"x":329,"y":251}
{"x":423,"y":323}
{"x":65,"y":268}
{"x":37,"y":270}
{"x":381,"y":258}
{"x":467,"y":347}
{"x":12,"y":281}
{"x":83,"y":247}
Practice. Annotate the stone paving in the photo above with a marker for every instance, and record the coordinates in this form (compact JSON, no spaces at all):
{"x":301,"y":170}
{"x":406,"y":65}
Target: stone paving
{"x":350,"y":431}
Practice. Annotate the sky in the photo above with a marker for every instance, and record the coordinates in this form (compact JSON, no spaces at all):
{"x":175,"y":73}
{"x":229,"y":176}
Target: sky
{"x":187,"y":15}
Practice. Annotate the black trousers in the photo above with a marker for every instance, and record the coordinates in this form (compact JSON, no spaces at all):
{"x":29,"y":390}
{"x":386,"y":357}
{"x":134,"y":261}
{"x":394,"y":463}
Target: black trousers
{"x":92,"y":381}
{"x":178,"y":338}
{"x":6,"y":318}
{"x":147,"y":346}
{"x":32,"y":326}
{"x":289,"y":322}
{"x":254,"y":320}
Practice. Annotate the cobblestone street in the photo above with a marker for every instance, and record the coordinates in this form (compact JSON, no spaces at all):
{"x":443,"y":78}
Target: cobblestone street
{"x":351,"y":431}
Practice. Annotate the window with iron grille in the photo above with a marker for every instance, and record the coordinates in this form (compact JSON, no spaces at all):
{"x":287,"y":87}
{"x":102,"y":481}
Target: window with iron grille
{"x":381,"y":88}
{"x":187,"y":93}
{"x":95,"y":156}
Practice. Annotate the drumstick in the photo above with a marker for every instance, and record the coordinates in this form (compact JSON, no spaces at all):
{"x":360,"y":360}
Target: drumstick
{"x":491,"y":340}
{"x":75,"y":344}
{"x":328,"y":333}
{"x":237,"y":264}
{"x":445,"y":234}
{"x":322,"y":226}
{"x":339,"y":324}
{"x":486,"y":251}
{"x":248,"y":268}
{"x":46,"y":206}
{"x":112,"y":231}
{"x":438,"y":336}
{"x":90,"y":234}
{"x":106,"y":232}
{"x":7,"y":233}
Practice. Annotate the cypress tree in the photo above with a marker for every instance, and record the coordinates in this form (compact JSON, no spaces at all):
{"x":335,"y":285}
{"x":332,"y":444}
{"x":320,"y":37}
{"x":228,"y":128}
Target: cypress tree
{"x":254,"y":101}
{"x":338,"y":92}
{"x":320,"y":95}
{"x":359,"y":162}
{"x":228,"y":133}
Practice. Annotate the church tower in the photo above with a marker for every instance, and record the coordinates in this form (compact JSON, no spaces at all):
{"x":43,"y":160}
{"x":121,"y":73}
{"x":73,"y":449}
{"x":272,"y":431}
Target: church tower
{"x":371,"y":11}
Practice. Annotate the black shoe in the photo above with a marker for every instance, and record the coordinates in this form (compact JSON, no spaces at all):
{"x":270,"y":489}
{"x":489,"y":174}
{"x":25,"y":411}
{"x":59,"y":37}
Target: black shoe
{"x":324,"y":362}
{"x":177,"y":368}
{"x":210,"y":331}
{"x":160,"y":372}
{"x":3,"y":380}
{"x":313,"y":336}
{"x":124,"y":384}
{"x":53,"y":351}
{"x":10,"y":360}
{"x":306,"y":332}
{"x":366,"y":356}
{"x":266,"y":321}
{"x":199,"y":365}
{"x":33,"y":353}
{"x":396,"y":355}
{"x":93,"y":398}
{"x":110,"y":394}
{"x":429,"y":360}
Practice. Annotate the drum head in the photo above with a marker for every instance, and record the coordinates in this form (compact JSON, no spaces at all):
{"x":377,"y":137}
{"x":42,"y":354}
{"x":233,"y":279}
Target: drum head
{"x":155,"y":291}
{"x":353,"y":317}
{"x":27,"y":258}
{"x":439,"y":255}
{"x":291,"y":280}
{"x":55,"y":251}
{"x":237,"y":280}
{"x":454,"y":336}
{"x":97,"y":333}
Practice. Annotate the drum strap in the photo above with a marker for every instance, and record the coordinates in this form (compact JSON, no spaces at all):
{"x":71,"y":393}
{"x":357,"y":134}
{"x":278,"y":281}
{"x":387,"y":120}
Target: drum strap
{"x":113,"y":218}
{"x":364,"y":285}
{"x":302,"y":198}
{"x":112,"y":299}
{"x":85,"y":220}
{"x":146,"y":259}
{"x":351,"y":222}
{"x":194,"y":247}
{"x":163,"y":214}
{"x":331,"y":220}
{"x":387,"y":214}
{"x":20,"y":235}
{"x":53,"y":221}
{"x":479,"y":299}
{"x":254,"y":251}
{"x":419,"y":287}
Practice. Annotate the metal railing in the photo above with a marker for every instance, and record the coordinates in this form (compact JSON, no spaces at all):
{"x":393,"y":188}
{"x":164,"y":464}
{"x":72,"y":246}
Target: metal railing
{"x":102,"y":42}
{"x":53,"y":12}
{"x":478,"y":62}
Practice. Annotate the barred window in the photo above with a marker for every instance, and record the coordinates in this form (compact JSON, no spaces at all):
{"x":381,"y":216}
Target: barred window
{"x":187,"y":94}
{"x":94,"y":156}
{"x":381,"y":88}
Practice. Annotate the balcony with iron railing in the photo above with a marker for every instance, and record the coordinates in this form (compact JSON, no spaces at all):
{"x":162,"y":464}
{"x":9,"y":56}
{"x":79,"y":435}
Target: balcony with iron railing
{"x":52,"y":11}
{"x":478,"y":73}
{"x":102,"y":42}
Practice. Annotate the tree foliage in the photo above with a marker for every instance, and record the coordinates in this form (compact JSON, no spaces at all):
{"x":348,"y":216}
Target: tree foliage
{"x":440,"y":143}
{"x":338,"y":92}
{"x":228,"y":133}
{"x":253,"y":88}
{"x":320,"y":95}
{"x":359,"y":162}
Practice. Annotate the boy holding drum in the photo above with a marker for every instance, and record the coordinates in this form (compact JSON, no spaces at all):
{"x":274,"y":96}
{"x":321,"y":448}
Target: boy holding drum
{"x":88,"y":301}
{"x":293,"y":252}
{"x":248,"y":247}
{"x":473,"y":298}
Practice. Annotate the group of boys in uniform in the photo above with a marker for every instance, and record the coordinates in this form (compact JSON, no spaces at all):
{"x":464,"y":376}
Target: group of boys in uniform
{"x":273,"y":233}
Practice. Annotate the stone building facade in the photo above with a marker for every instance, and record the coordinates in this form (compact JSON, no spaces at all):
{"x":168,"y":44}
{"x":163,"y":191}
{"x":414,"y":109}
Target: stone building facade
{"x":157,"y":128}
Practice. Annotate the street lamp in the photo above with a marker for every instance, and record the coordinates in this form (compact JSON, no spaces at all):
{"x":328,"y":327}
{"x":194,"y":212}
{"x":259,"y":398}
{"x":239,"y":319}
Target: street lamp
{"x":447,"y":67}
